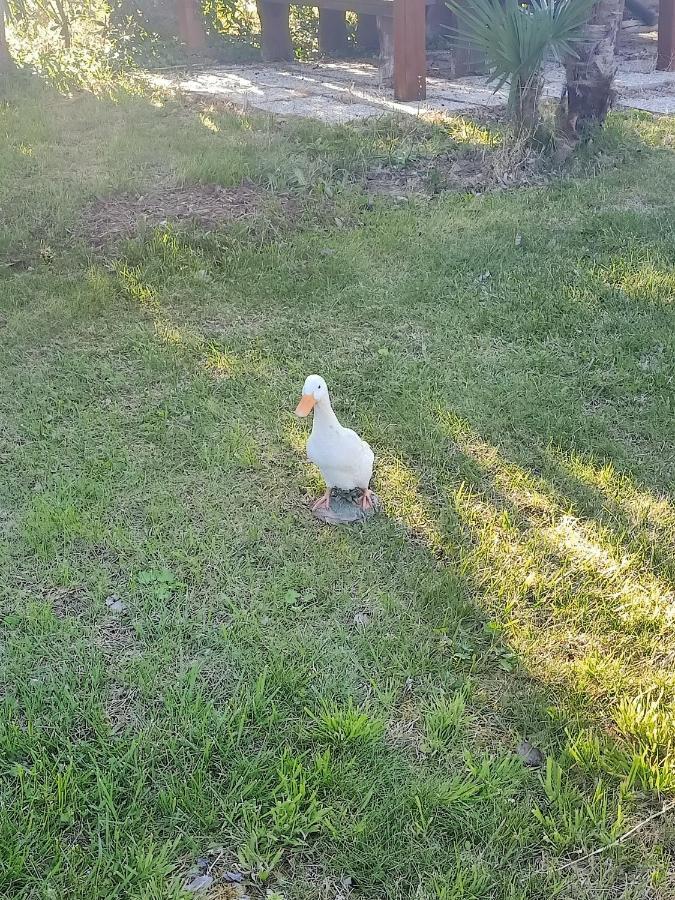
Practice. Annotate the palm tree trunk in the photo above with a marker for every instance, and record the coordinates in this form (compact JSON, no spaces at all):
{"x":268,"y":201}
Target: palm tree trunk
{"x":524,"y":99}
{"x":590,"y":77}
{"x":6,"y":61}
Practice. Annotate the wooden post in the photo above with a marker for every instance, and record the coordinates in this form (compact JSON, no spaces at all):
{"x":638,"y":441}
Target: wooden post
{"x":276,"y":34}
{"x":665,"y":59}
{"x":190,"y":27}
{"x":439,"y":19}
{"x":367,"y":37}
{"x":385,"y":26}
{"x":410,"y":50}
{"x":333,"y":32}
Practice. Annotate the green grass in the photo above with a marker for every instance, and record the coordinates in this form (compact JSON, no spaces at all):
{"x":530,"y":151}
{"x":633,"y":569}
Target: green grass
{"x":334,"y":712}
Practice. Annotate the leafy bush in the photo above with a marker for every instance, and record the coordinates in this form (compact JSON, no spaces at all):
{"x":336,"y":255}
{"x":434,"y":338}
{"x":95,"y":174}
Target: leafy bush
{"x":86,"y":43}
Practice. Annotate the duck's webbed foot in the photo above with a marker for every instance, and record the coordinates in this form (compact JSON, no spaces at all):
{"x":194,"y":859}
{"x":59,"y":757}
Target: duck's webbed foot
{"x":323,"y":502}
{"x":367,"y":499}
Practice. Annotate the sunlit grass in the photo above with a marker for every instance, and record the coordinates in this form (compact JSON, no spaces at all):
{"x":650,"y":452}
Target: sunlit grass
{"x":398,"y":486}
{"x":641,"y":507}
{"x":643,"y":282}
{"x":209,"y":123}
{"x":465,"y":131}
{"x":582,"y":607}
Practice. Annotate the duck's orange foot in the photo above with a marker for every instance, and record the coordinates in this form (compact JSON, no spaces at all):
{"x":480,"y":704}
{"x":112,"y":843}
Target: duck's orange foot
{"x":367,"y":499}
{"x":322,"y":502}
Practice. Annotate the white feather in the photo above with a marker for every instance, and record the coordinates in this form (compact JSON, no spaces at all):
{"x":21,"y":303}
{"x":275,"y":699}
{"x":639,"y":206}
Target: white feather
{"x":342,"y":457}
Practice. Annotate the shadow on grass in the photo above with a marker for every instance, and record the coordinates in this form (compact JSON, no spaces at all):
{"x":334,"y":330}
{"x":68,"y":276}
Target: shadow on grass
{"x":579,"y":603}
{"x":529,"y":609}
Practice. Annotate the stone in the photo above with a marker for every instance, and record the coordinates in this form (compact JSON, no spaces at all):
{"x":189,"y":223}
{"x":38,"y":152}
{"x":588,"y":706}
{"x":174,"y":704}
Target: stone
{"x":345,"y":509}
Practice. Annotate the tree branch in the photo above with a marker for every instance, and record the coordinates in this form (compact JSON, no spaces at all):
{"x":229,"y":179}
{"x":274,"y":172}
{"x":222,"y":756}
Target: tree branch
{"x":661,"y":812}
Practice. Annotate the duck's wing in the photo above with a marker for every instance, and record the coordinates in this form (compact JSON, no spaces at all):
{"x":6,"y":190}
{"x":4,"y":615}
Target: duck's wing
{"x":362,"y":449}
{"x":355,"y":440}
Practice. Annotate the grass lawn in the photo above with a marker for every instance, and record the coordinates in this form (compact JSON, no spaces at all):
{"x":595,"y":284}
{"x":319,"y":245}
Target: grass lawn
{"x":190,"y":667}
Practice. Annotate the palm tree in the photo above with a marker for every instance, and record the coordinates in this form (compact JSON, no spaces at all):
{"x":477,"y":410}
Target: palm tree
{"x":515,"y":37}
{"x":590,"y":74}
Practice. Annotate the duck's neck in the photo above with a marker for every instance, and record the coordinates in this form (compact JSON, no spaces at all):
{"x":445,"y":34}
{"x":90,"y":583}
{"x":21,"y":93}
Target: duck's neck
{"x":324,"y":417}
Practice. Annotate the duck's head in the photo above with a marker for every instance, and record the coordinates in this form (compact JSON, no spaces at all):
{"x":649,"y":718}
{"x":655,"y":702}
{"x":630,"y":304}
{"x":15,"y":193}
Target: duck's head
{"x":315,"y":391}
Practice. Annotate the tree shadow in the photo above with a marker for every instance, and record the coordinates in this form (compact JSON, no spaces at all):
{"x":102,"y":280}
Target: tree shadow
{"x":591,"y":616}
{"x":586,"y":621}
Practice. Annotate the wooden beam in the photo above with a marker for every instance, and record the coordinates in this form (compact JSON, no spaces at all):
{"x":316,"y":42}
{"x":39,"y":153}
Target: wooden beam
{"x":190,"y":26}
{"x":369,"y":7}
{"x":276,"y":34}
{"x":385,"y":27}
{"x":665,"y":58}
{"x":367,"y":37}
{"x":410,"y":50}
{"x":333,"y":32}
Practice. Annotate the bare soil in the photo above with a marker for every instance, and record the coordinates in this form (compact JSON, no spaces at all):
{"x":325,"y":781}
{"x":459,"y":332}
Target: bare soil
{"x":210,"y":206}
{"x":473,"y":172}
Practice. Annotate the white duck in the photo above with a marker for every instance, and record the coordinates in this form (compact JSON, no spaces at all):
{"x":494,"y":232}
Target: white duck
{"x":345,"y":461}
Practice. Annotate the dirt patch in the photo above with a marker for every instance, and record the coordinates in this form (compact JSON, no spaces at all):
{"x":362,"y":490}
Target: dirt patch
{"x":475,"y":172}
{"x":634,"y":204}
{"x":406,"y":737}
{"x":115,"y":639}
{"x":71,"y":601}
{"x":208,"y":205}
{"x":405,"y":731}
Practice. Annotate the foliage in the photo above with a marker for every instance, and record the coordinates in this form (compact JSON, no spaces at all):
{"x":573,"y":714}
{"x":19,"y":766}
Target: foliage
{"x":443,"y":721}
{"x":233,"y":17}
{"x":74,"y":43}
{"x":516,"y":37}
{"x":86,"y":43}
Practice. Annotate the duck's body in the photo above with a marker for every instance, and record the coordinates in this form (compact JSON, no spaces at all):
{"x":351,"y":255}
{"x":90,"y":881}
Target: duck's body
{"x":345,"y":461}
{"x":343,"y":458}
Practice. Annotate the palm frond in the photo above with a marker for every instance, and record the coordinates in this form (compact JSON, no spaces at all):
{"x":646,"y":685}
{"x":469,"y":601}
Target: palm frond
{"x":515,"y":37}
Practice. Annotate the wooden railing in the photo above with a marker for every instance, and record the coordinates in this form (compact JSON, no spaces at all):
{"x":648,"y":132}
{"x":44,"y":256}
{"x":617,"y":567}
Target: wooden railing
{"x":402,"y":37}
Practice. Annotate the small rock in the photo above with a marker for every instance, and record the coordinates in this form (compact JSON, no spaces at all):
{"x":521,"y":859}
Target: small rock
{"x":345,"y":509}
{"x":114,"y":604}
{"x":344,"y":888}
{"x":202,"y":864}
{"x":530,"y":755}
{"x":233,"y":877}
{"x":198,"y":883}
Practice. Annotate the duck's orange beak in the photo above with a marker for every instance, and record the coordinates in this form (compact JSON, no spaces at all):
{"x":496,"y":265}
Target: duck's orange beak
{"x":305,"y":406}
